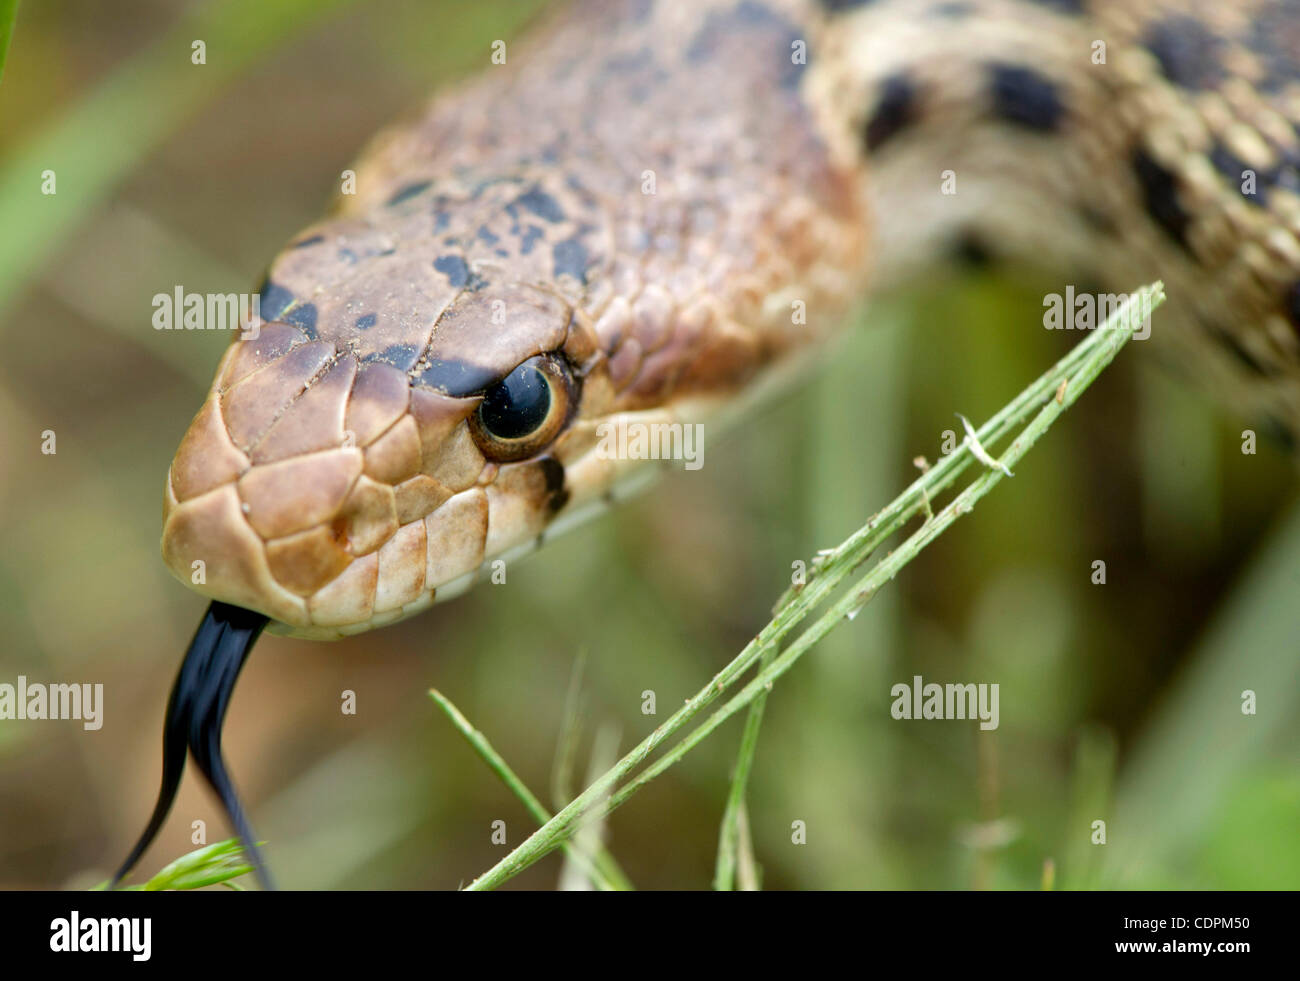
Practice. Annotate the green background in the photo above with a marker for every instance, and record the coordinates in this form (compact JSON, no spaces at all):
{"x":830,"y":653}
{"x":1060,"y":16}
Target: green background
{"x":1118,"y":702}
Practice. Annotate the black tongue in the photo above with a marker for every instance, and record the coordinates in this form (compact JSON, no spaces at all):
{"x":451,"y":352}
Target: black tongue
{"x":195,"y":713}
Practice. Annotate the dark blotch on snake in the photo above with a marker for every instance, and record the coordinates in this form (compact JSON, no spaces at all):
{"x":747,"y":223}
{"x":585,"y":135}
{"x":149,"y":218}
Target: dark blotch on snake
{"x":541,"y":204}
{"x":970,"y":251}
{"x":408,"y":192}
{"x":1160,"y":192}
{"x":1271,"y":39}
{"x":1097,"y":219}
{"x":953,"y":11}
{"x":273,"y":300}
{"x":1234,"y":169}
{"x":552,"y":473}
{"x":895,"y":110}
{"x":401,"y":356}
{"x":1187,"y":50}
{"x":454,"y":268}
{"x":1291,"y":304}
{"x":629,"y":62}
{"x":531,"y":234}
{"x":304,"y":318}
{"x":570,"y":259}
{"x":365,"y":322}
{"x":457,"y":378}
{"x":732,"y":25}
{"x":835,"y":6}
{"x":1061,"y":6}
{"x":1026,"y":98}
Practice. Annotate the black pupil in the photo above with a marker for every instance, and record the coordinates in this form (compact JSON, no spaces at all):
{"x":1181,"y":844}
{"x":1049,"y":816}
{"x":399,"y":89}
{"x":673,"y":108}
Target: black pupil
{"x":517,"y":405}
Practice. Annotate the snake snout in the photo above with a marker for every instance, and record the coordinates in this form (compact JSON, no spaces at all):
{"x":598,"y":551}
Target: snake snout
{"x":313,"y":487}
{"x":336,"y":491}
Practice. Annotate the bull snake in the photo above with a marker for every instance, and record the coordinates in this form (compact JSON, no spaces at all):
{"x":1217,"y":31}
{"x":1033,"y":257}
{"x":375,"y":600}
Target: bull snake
{"x":646,"y":215}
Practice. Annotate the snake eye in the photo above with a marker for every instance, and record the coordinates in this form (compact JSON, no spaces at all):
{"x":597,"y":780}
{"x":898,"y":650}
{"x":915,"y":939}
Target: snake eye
{"x":524,"y":411}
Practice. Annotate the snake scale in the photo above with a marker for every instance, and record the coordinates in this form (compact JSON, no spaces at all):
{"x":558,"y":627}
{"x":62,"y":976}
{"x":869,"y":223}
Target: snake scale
{"x":614,"y":222}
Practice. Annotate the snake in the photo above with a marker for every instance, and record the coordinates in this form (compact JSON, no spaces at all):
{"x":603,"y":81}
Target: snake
{"x":653,"y":213}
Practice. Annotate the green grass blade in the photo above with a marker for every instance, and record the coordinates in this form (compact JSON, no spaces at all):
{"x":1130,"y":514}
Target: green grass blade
{"x":8,"y":17}
{"x":1181,"y":772}
{"x":600,"y":867}
{"x":96,"y":142}
{"x":216,"y":864}
{"x":1046,"y":399}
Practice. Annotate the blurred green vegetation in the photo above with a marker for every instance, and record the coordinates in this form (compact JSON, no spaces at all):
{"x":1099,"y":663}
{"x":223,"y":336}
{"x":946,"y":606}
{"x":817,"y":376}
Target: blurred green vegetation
{"x":8,"y":10}
{"x":219,"y":864}
{"x":1119,"y":702}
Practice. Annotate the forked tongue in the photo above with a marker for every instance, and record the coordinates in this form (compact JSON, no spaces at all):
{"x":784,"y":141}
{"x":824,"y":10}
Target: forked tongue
{"x":195,"y":713}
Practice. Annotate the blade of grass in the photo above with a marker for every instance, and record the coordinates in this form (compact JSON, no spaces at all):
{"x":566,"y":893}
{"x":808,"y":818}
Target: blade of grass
{"x":212,"y":865}
{"x":872,"y":376}
{"x":8,"y":17}
{"x":724,"y":878}
{"x":1092,"y":782}
{"x":1060,"y":387}
{"x":566,"y":749}
{"x":590,"y":837}
{"x":601,"y":867}
{"x":96,"y":142}
{"x":1198,"y":739}
{"x":748,"y":875}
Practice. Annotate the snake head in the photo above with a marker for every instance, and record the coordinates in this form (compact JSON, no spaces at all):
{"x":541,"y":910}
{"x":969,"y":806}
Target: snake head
{"x":425,"y":393}
{"x":358,"y":456}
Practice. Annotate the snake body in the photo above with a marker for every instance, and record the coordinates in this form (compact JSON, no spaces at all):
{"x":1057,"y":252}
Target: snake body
{"x":641,"y":197}
{"x":645,"y":214}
